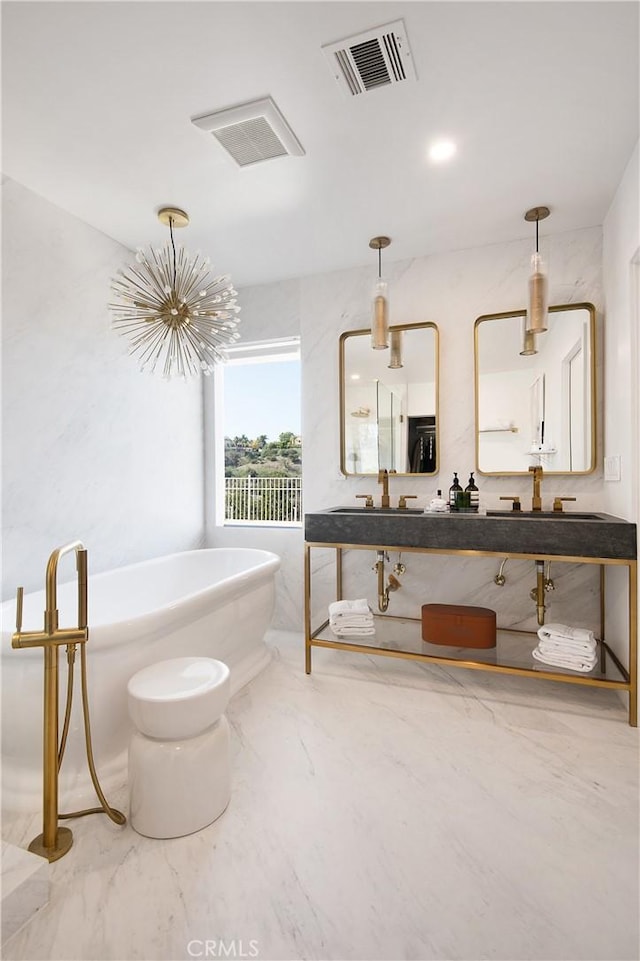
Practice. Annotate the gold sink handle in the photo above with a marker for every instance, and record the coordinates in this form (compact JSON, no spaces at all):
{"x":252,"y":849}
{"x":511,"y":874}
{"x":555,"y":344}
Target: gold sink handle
{"x":368,"y":499}
{"x":557,"y":503}
{"x":516,"y":502}
{"x":402,"y":503}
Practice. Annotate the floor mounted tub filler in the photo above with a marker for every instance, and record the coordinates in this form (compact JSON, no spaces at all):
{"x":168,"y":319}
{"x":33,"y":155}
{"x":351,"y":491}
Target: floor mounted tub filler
{"x":215,"y":602}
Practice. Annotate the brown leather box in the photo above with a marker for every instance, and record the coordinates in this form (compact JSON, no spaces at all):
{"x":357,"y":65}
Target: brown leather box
{"x":457,"y":625}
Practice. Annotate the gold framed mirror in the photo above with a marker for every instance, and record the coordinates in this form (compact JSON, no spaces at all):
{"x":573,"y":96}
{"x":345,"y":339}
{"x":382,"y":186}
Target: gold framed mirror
{"x":389,"y":401}
{"x":535,"y":395}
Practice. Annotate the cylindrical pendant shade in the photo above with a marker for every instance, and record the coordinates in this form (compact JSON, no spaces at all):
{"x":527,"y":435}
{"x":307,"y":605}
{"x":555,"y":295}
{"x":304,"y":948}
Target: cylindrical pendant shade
{"x":380,"y":319}
{"x":528,"y":341}
{"x":537,"y":310}
{"x":395,"y":360}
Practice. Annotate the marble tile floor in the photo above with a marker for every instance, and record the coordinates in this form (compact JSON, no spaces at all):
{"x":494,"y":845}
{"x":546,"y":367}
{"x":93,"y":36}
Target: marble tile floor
{"x":381,"y":809}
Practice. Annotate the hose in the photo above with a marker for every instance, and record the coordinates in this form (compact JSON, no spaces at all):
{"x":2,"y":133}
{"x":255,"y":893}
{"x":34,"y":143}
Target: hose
{"x":116,"y":816}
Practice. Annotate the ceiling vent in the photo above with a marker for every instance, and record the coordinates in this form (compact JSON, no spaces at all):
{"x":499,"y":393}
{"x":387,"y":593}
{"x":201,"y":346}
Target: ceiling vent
{"x":376,"y":58}
{"x":252,"y":132}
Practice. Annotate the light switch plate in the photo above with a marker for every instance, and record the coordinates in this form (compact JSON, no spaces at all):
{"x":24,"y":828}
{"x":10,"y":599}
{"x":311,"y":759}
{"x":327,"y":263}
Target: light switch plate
{"x":612,"y":468}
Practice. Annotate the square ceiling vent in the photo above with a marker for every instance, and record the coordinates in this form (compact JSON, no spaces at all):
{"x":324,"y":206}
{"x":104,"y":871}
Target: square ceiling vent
{"x":252,"y":132}
{"x":375,"y":58}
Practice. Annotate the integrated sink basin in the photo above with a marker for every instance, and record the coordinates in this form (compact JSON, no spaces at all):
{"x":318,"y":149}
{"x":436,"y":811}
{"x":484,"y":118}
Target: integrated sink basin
{"x":549,"y":515}
{"x":374,"y":510}
{"x":532,"y":533}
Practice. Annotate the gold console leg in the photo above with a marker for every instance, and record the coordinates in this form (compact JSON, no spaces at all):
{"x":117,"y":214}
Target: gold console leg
{"x":307,"y":609}
{"x":633,"y":643}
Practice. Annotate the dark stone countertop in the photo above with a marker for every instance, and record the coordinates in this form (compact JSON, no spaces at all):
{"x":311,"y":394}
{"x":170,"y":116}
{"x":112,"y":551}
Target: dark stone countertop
{"x":602,"y":535}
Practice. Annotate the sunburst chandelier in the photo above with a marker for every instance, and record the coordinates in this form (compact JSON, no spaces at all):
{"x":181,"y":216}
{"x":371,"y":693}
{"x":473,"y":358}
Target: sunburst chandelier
{"x":175,"y":312}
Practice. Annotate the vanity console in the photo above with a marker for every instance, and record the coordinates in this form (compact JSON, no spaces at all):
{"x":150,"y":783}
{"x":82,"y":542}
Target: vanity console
{"x":596,"y":538}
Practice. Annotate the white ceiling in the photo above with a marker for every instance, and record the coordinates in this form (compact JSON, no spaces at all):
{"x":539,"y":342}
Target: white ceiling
{"x":541,"y":99}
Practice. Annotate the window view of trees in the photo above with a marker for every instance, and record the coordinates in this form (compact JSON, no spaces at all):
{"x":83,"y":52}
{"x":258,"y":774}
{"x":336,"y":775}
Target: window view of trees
{"x":262,"y":444}
{"x":263,"y":458}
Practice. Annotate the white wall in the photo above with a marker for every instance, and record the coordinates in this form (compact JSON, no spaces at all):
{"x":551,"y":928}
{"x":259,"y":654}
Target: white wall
{"x":620,"y":257}
{"x":451,"y":289}
{"x":92,"y":448}
{"x":621,"y":245}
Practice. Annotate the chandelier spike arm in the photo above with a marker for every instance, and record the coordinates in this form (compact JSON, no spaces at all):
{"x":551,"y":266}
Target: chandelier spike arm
{"x":147,"y":342}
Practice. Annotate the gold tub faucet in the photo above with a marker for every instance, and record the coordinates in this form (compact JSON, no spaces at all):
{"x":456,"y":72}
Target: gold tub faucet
{"x":536,"y":500}
{"x":54,"y":841}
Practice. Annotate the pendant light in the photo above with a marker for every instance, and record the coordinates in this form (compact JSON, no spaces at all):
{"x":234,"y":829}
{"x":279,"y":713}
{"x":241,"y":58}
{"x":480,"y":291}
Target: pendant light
{"x":395,"y":360}
{"x":380,"y":316}
{"x":528,"y":341}
{"x":537,"y":309}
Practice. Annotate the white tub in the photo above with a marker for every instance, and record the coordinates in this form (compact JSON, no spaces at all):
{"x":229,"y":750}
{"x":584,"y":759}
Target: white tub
{"x":213,"y":603}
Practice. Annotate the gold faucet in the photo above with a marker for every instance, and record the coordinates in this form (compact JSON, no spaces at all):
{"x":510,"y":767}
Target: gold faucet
{"x":54,"y":842}
{"x":536,"y":500}
{"x":383,"y":478}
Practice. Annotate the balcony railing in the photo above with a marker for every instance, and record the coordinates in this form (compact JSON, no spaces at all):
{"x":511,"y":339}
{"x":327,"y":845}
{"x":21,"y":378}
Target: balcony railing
{"x":263,"y":500}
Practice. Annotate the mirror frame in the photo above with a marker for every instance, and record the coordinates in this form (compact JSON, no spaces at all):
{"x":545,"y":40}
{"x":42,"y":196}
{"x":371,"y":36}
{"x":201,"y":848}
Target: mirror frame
{"x":557,"y":308}
{"x":423,"y":325}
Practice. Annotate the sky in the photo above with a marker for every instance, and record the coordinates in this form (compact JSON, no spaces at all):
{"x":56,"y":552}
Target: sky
{"x":262,"y":399}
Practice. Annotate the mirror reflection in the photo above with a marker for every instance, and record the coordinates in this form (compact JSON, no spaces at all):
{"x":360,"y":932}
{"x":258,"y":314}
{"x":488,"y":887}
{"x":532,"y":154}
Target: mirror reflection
{"x":389,"y":401}
{"x":535,"y":394}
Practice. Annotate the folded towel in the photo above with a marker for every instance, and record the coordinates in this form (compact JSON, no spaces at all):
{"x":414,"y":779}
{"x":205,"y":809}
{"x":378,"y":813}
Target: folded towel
{"x":353,"y":631}
{"x":557,"y":643}
{"x":360,"y":606}
{"x":564,"y":631}
{"x":583,"y":665}
{"x":344,"y":620}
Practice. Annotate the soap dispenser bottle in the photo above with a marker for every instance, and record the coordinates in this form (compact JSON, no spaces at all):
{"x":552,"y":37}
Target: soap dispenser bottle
{"x":474,"y":494}
{"x":438,"y":504}
{"x":453,"y":493}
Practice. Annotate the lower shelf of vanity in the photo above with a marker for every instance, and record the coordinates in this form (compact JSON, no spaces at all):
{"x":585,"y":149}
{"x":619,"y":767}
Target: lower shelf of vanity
{"x":401,"y":637}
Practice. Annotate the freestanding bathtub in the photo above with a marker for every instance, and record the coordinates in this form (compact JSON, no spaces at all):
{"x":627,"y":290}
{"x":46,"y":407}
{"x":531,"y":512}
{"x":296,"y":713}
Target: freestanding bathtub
{"x":214,"y":603}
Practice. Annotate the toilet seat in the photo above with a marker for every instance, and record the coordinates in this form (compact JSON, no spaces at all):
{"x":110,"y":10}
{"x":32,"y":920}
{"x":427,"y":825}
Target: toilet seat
{"x":178,"y":698}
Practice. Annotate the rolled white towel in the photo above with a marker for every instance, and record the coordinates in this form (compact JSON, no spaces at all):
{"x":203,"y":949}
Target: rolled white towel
{"x":359,"y":606}
{"x":564,"y":631}
{"x":581,"y":664}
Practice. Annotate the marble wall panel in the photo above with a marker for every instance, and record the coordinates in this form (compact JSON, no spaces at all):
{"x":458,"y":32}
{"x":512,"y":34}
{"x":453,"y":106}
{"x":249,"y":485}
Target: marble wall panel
{"x":92,"y":448}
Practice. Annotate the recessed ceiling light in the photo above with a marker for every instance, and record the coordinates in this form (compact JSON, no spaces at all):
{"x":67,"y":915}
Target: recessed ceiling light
{"x":355,"y":377}
{"x":441,"y":151}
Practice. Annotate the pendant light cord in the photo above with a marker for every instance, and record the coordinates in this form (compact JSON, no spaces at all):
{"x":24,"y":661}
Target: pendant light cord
{"x":537,"y":222}
{"x":174,"y":251}
{"x":379,"y":262}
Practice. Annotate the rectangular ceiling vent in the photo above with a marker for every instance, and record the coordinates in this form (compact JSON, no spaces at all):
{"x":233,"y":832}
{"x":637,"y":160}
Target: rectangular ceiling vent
{"x":252,"y":132}
{"x":376,"y":58}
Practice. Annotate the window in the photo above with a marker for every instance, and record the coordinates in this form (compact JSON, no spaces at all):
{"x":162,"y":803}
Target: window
{"x":258,"y":415}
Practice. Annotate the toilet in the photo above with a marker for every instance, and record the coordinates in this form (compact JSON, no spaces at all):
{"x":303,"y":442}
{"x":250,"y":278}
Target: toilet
{"x":179,"y":763}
